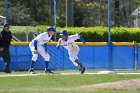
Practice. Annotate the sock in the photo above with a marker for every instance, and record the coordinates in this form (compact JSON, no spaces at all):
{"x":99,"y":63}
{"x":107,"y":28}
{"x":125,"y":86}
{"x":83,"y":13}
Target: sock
{"x":46,"y":65}
{"x":32,"y":65}
{"x":80,"y":66}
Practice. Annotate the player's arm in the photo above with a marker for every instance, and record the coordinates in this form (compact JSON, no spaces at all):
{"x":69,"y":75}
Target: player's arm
{"x":45,"y":46}
{"x":35,"y":46}
{"x":82,"y":39}
{"x":59,"y":44}
{"x":1,"y":42}
{"x":77,"y":36}
{"x":38,"y":39}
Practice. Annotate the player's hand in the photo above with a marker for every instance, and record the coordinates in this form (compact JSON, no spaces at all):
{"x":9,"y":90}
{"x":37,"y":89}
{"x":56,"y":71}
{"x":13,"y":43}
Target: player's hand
{"x":46,"y":52}
{"x":35,"y":52}
{"x":85,"y":44}
{"x":58,"y":46}
{"x":1,"y":49}
{"x":51,"y":41}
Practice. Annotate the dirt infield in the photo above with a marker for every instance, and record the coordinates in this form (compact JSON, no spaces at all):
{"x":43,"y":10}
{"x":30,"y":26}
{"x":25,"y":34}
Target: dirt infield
{"x":124,"y":84}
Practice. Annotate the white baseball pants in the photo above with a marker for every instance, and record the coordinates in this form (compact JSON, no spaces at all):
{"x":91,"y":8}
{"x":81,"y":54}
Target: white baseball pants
{"x":73,"y":55}
{"x":41,"y":51}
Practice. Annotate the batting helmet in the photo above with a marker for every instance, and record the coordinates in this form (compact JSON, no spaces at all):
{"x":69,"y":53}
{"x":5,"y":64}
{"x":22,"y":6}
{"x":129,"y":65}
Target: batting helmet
{"x":64,"y":32}
{"x":50,"y":29}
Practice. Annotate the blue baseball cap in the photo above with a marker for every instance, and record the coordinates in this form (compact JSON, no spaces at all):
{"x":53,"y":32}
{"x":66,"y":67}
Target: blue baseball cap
{"x":64,"y":32}
{"x":51,"y":29}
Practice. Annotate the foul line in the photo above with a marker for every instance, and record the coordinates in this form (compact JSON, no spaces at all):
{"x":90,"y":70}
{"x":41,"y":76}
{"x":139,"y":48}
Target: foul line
{"x":42,"y":74}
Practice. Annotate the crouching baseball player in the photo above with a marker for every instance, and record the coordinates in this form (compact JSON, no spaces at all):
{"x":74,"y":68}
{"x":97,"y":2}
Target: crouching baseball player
{"x":39,"y":46}
{"x":68,"y":42}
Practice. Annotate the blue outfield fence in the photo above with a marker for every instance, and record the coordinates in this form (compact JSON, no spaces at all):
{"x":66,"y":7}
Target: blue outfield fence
{"x":93,"y":57}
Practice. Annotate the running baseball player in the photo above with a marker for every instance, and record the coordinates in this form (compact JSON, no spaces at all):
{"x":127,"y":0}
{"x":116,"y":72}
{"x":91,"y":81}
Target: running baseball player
{"x":68,"y":42}
{"x":39,"y":46}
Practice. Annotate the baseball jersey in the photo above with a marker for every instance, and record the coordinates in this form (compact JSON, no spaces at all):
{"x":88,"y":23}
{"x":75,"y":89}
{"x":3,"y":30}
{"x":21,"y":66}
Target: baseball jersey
{"x":69,"y":44}
{"x":41,"y":39}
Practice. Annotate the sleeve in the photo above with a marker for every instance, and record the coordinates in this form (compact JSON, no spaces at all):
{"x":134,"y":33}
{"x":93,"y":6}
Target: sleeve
{"x":35,"y":44}
{"x":74,"y":37}
{"x":40,"y":37}
{"x":0,"y":35}
{"x":1,"y":40}
{"x":58,"y":44}
{"x":77,"y":36}
{"x":82,"y":39}
{"x":45,"y":46}
{"x":11,"y":36}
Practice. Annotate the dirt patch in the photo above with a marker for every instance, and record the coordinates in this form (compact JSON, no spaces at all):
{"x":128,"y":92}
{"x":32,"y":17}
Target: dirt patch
{"x":124,"y":84}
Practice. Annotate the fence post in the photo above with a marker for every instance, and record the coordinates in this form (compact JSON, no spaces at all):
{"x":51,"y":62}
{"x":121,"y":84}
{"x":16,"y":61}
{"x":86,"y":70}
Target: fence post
{"x":55,"y":18}
{"x":109,"y":36}
{"x":27,"y":37}
{"x":135,"y":56}
{"x":110,"y":55}
{"x":6,"y":12}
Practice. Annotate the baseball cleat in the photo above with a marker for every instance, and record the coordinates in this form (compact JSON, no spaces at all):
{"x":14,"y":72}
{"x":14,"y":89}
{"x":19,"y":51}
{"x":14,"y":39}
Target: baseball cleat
{"x":32,"y":72}
{"x":7,"y":72}
{"x":83,"y":70}
{"x":48,"y":71}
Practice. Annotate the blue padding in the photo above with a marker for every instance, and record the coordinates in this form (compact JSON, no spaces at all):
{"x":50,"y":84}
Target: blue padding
{"x":90,"y":56}
{"x":24,"y":62}
{"x":123,"y":57}
{"x":139,"y":57}
{"x":13,"y":51}
{"x":1,"y":64}
{"x":23,"y":50}
{"x":86,"y":56}
{"x":101,"y":57}
{"x":67,"y":63}
{"x":40,"y":63}
{"x":56,"y":61}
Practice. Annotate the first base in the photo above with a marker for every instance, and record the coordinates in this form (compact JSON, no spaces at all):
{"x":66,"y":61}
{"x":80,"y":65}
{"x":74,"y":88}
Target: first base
{"x":106,"y":72}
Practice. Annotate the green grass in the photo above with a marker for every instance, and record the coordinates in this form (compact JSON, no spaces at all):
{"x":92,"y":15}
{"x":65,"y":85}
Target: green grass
{"x":61,"y":84}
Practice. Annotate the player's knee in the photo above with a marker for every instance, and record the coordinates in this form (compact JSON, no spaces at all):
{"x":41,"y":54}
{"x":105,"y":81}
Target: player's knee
{"x":47,"y":58}
{"x":72,"y":59}
{"x":34,"y":58}
{"x":74,"y":63}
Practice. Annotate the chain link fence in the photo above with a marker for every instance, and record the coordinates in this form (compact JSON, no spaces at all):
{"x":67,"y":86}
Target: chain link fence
{"x":2,"y":20}
{"x":22,"y":33}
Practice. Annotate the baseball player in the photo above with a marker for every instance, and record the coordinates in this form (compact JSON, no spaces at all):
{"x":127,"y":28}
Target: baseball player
{"x":68,"y":42}
{"x":39,"y":46}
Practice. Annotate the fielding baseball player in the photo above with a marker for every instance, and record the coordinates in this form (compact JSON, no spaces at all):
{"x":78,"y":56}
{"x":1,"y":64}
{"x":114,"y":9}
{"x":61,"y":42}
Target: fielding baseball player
{"x":68,"y":42}
{"x":39,"y":46}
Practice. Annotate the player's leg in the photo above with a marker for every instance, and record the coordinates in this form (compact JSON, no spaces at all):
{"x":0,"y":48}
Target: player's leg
{"x":34,"y":58}
{"x":7,"y":59}
{"x":73,"y":57}
{"x":80,"y":66}
{"x":46,"y":57}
